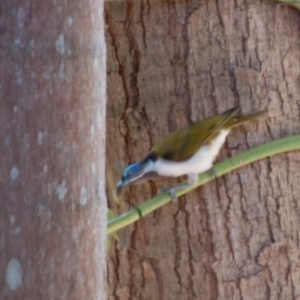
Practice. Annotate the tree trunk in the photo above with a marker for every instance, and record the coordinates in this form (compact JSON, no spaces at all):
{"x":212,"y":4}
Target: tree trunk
{"x":52,"y":133}
{"x":171,"y":63}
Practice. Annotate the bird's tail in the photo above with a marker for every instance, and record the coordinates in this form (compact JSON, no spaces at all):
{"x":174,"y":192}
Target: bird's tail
{"x":241,"y":119}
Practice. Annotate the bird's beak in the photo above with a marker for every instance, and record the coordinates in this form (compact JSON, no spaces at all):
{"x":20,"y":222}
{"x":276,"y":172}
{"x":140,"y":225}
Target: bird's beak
{"x":120,"y":186}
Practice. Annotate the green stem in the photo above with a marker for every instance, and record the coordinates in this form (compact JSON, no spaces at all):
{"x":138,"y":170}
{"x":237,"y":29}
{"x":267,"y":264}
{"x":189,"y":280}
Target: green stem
{"x":240,"y":160}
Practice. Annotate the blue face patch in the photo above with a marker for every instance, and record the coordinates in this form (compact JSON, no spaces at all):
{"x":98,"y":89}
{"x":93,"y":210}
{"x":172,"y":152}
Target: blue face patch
{"x":132,"y":170}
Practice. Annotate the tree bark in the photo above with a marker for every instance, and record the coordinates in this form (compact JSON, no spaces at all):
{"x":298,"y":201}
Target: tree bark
{"x":174,"y":62}
{"x":52,"y":137}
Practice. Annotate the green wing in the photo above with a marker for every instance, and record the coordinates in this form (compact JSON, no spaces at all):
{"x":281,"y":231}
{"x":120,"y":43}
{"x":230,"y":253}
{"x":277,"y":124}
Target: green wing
{"x":184,"y":143}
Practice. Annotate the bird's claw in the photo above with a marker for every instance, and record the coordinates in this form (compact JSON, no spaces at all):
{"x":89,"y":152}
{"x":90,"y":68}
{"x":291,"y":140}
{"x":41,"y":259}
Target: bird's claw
{"x":212,"y":172}
{"x":171,"y":192}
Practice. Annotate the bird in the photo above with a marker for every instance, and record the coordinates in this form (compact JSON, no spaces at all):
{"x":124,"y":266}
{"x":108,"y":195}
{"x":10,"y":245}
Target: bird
{"x":187,"y":151}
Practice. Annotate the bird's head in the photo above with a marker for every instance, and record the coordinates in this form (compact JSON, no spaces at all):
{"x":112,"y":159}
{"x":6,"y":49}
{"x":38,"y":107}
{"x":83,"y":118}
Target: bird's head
{"x":136,"y":173}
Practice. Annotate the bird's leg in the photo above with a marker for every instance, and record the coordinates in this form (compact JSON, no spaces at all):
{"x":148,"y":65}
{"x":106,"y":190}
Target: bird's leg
{"x":192,"y":180}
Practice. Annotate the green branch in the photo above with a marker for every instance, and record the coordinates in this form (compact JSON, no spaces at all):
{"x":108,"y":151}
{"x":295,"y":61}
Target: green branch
{"x":240,"y":160}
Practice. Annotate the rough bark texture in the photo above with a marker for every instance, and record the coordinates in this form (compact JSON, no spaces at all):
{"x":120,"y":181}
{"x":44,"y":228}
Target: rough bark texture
{"x":52,"y":137}
{"x":173,"y":62}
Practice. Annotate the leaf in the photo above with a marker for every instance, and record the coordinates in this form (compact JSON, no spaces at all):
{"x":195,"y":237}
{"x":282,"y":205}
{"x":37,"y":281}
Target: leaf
{"x":110,"y":214}
{"x":113,"y":235}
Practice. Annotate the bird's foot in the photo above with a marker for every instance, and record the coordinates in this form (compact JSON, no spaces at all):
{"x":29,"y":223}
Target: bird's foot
{"x":172,"y":190}
{"x":212,"y":172}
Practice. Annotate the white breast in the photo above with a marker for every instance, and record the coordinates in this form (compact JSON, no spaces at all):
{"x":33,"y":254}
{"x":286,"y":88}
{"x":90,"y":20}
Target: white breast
{"x":200,"y":162}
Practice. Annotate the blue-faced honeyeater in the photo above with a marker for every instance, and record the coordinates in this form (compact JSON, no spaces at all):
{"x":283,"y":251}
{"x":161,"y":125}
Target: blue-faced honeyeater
{"x":188,"y":151}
